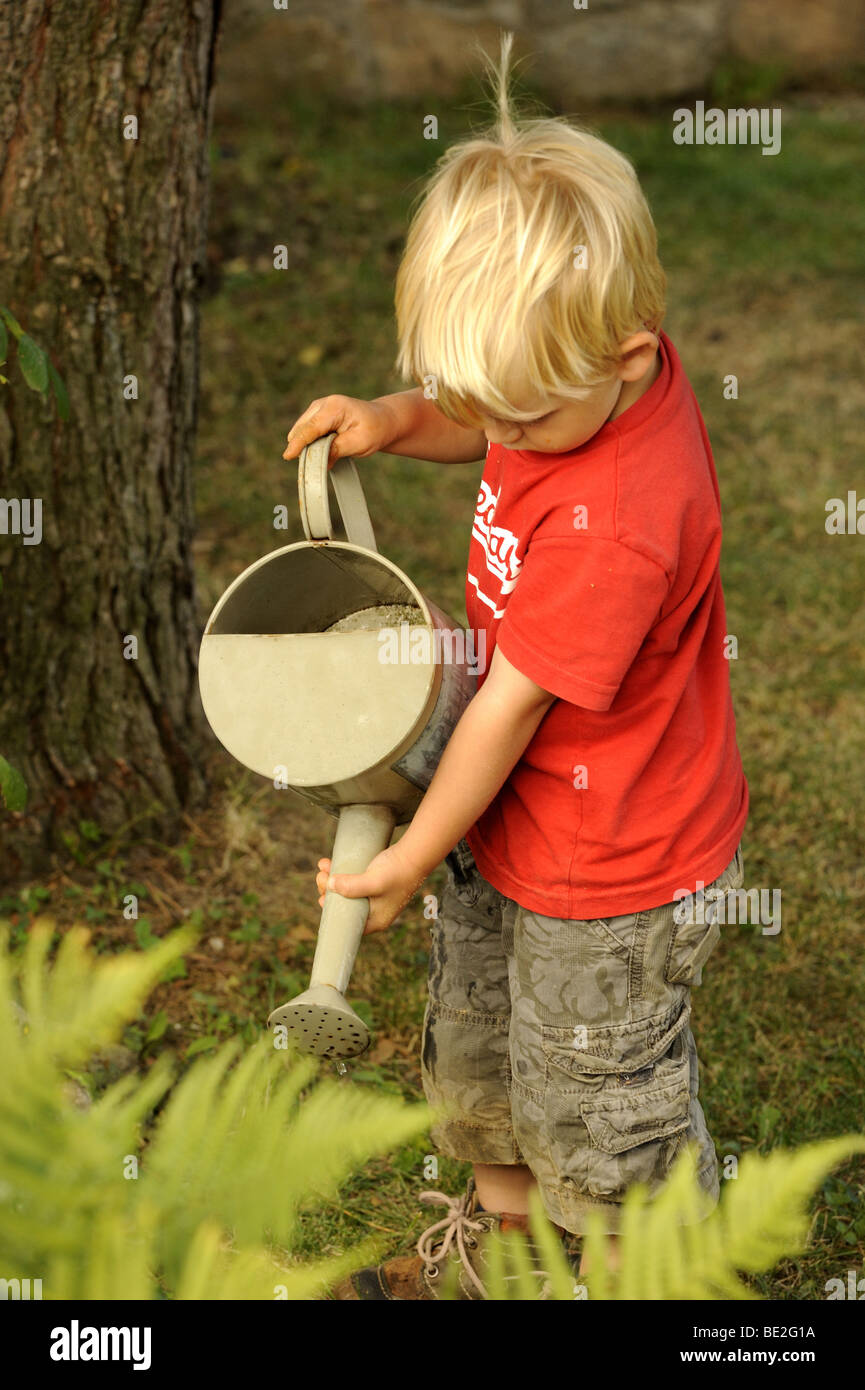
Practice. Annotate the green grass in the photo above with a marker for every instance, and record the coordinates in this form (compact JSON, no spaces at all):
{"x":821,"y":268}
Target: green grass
{"x":765,"y":259}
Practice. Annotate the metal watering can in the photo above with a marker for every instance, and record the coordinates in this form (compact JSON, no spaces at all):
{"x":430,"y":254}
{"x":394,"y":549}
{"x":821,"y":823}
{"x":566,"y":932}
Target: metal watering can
{"x":325,"y":669}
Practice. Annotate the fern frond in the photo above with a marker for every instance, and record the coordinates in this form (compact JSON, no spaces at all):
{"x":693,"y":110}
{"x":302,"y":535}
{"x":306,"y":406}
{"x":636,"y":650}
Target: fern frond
{"x":338,"y":1128}
{"x":765,"y":1215}
{"x":671,"y":1249}
{"x":237,"y":1150}
{"x":82,"y":1002}
{"x":254,"y":1274}
{"x":251,"y":1134}
{"x":556,"y":1263}
{"x":248,"y":1139}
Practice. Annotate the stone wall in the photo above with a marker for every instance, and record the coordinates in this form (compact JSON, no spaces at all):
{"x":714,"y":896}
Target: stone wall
{"x":610,"y":51}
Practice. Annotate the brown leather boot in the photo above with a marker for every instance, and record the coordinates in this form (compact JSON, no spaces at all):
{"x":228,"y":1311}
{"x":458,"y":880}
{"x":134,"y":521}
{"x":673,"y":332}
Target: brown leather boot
{"x":458,"y":1240}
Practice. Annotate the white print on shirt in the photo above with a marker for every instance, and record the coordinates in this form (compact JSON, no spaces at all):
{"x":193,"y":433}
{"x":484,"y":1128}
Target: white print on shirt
{"x":500,"y":549}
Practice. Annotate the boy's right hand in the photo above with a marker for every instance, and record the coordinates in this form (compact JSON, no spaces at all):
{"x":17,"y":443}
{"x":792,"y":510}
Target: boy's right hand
{"x":362,"y":427}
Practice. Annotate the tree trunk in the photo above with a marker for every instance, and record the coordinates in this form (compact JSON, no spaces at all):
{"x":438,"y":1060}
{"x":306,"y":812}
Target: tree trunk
{"x":103,"y":242}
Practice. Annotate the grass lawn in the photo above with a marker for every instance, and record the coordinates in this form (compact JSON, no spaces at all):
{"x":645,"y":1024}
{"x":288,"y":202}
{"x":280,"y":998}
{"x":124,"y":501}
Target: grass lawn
{"x":765,"y":259}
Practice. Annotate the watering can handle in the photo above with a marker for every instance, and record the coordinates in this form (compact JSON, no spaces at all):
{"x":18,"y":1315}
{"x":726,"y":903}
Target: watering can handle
{"x":312,"y":477}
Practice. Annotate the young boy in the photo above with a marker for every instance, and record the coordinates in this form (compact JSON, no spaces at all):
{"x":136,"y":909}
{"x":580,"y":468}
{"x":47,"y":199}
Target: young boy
{"x":594,"y":779}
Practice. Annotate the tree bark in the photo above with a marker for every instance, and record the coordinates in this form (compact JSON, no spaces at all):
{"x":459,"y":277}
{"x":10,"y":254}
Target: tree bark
{"x":103,"y":245}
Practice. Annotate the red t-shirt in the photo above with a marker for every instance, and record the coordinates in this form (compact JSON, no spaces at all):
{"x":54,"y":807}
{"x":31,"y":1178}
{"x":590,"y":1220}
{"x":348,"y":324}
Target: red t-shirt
{"x":597,"y":572}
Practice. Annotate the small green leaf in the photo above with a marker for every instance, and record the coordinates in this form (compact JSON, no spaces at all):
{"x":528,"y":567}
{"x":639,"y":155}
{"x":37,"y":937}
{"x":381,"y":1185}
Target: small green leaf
{"x":201,"y":1045}
{"x":158,"y":1025}
{"x":175,"y":971}
{"x":90,"y":830}
{"x":33,"y":363}
{"x":144,"y":935}
{"x":12,"y":786}
{"x":12,"y":321}
{"x":249,"y":930}
{"x":59,"y":391}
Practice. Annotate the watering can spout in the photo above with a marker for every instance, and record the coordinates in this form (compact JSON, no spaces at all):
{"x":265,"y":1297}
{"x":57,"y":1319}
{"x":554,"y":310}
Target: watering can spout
{"x":320,"y":1020}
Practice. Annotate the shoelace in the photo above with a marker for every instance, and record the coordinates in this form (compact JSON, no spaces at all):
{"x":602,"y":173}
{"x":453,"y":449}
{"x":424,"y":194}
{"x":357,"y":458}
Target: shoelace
{"x":455,"y":1225}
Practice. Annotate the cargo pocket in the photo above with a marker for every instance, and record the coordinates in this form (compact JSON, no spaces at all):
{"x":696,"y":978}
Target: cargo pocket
{"x":691,"y":944}
{"x":617,"y":1110}
{"x":693,"y":941}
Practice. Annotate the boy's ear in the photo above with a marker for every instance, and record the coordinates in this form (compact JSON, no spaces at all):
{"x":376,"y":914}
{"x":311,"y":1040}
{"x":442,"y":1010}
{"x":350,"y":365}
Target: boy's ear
{"x":638,"y":354}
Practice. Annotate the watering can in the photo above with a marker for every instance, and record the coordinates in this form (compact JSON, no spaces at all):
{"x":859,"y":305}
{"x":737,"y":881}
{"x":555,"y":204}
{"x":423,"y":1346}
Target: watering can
{"x":326,"y":670}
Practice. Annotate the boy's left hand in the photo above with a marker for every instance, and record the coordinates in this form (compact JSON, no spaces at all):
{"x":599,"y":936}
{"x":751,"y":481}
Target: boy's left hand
{"x":389,"y":882}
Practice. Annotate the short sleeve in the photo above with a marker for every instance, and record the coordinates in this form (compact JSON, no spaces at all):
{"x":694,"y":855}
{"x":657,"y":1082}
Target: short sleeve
{"x":579,"y":613}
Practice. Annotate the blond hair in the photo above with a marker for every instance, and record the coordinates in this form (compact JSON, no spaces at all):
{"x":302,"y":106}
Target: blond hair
{"x":490,"y":292}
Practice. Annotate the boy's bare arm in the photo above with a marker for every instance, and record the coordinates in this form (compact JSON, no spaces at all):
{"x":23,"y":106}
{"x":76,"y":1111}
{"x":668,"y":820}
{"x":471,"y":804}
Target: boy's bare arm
{"x":421,"y":431}
{"x":493,"y":732}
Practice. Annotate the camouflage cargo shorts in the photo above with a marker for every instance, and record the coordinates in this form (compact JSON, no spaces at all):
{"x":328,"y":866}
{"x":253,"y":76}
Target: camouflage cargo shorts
{"x":565,"y":1045}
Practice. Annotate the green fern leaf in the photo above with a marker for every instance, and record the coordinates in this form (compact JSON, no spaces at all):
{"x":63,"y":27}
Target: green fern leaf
{"x":670,"y":1248}
{"x":107,"y":1202}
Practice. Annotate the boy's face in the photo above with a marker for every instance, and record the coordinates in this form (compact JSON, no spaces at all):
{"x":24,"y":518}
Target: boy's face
{"x":566,"y":424}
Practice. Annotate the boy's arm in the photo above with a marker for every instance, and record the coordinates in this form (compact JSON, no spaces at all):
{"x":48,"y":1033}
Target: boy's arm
{"x":493,"y":732}
{"x":421,"y":431}
{"x":490,"y":737}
